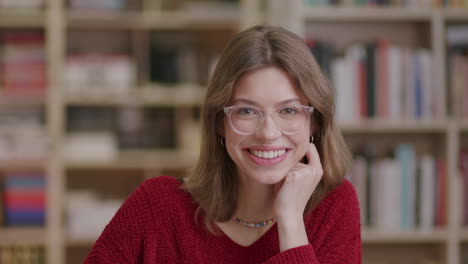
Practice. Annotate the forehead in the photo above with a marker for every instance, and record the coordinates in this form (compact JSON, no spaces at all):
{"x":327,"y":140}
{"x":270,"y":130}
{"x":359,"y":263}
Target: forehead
{"x":267,"y":86}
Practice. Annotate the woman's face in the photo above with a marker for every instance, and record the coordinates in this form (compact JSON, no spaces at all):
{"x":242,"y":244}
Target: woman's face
{"x":267,"y":155}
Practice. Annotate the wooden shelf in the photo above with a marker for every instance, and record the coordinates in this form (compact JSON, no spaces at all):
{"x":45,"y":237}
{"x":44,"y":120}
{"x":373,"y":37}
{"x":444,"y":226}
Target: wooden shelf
{"x":464,"y":234}
{"x":366,"y":14}
{"x":372,"y":237}
{"x":456,"y":14}
{"x":71,"y":242}
{"x":30,"y":235}
{"x":464,"y":126}
{"x":150,"y":20}
{"x":174,"y":20}
{"x":23,"y":165}
{"x":150,"y":95}
{"x":8,"y":101}
{"x":381,"y":126}
{"x":22,"y":19}
{"x":103,"y":19}
{"x":139,"y":160}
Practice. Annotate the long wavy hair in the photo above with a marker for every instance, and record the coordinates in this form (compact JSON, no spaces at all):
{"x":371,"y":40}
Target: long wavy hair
{"x":214,"y":184}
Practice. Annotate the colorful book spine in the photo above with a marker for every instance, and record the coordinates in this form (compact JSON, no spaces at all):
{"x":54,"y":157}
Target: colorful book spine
{"x":24,"y":199}
{"x":401,"y":193}
{"x":379,"y":80}
{"x":23,"y":64}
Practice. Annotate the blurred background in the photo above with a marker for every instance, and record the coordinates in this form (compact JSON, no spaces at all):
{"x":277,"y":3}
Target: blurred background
{"x":98,"y":95}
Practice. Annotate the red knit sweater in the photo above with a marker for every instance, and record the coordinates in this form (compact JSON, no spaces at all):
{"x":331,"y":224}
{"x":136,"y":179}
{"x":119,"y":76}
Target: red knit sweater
{"x":156,"y":225}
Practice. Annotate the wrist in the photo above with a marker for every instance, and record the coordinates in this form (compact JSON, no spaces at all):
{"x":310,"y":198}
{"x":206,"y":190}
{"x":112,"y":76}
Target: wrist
{"x":292,"y":232}
{"x":289,"y":219}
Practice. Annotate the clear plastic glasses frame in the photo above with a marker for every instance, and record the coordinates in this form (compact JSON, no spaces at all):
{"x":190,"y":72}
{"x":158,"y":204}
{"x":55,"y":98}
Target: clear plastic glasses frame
{"x":258,"y":118}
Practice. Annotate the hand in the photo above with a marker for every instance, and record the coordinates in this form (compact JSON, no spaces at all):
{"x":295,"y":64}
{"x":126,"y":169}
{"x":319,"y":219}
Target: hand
{"x":294,"y":191}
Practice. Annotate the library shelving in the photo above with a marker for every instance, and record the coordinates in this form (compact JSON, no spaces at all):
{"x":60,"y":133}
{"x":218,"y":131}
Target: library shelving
{"x":442,"y":135}
{"x":133,"y":33}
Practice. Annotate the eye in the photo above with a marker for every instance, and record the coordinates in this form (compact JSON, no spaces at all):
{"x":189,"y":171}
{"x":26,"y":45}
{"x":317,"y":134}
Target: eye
{"x":288,"y":111}
{"x":245,"y":111}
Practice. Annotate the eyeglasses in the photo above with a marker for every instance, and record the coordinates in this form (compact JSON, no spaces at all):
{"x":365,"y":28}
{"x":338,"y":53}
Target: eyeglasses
{"x":247,"y":120}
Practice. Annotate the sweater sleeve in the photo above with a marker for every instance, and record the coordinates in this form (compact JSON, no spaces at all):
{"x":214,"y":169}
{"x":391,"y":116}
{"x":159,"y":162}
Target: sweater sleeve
{"x":342,"y":242}
{"x":122,"y":239}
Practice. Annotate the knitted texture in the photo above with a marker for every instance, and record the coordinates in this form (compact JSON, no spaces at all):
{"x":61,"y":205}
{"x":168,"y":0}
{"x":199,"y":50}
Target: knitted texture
{"x":156,"y":225}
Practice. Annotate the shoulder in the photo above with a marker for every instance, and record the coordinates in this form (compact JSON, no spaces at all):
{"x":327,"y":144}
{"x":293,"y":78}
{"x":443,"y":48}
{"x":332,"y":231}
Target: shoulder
{"x":344,"y":192}
{"x":166,"y":191}
{"x":161,"y":183}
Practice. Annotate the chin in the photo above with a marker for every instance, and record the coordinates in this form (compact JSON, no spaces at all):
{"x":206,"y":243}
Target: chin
{"x":266,"y":177}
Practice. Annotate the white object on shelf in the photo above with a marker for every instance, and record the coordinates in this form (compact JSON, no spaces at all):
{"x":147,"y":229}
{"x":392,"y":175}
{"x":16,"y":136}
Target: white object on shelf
{"x":87,"y":215}
{"x":94,"y":147}
{"x":100,"y":72}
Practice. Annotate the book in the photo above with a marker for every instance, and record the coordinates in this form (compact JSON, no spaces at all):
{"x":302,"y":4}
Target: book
{"x":405,"y":154}
{"x":388,"y":199}
{"x":426,"y":200}
{"x":24,"y":198}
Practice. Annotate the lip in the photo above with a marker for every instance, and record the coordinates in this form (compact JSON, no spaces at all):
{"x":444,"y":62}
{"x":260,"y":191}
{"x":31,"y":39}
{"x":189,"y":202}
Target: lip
{"x":266,"y":162}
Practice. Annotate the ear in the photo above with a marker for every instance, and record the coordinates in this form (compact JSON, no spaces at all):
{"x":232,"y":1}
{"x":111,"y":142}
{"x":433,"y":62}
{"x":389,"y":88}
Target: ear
{"x":220,"y":128}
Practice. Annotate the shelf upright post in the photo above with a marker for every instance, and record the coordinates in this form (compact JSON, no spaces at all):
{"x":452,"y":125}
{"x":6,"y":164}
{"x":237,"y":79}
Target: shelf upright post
{"x":454,"y":193}
{"x":55,"y":39}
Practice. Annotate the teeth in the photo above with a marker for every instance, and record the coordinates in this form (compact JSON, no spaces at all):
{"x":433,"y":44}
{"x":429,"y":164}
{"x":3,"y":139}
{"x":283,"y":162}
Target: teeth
{"x":268,"y":154}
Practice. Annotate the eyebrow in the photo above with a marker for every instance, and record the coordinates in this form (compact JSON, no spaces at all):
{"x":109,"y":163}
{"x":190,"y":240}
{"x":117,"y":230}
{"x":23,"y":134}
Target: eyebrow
{"x":250,"y":102}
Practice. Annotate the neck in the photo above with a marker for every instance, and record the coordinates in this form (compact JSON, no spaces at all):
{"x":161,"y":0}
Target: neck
{"x":255,"y":201}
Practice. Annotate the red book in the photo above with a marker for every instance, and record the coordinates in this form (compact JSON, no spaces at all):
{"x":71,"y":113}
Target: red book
{"x":382,"y":79}
{"x":362,"y":90}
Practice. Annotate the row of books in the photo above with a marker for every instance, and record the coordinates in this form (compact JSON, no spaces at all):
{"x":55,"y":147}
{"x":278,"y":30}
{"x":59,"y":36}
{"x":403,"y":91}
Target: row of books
{"x":400,"y":3}
{"x":22,"y":254}
{"x":22,"y":135}
{"x":401,"y":192}
{"x":22,"y":64}
{"x":133,"y":127}
{"x":382,"y":80}
{"x":24,"y":198}
{"x":175,"y":58}
{"x":23,"y":4}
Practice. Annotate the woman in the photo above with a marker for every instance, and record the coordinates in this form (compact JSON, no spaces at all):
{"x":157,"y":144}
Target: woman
{"x":269,"y":185}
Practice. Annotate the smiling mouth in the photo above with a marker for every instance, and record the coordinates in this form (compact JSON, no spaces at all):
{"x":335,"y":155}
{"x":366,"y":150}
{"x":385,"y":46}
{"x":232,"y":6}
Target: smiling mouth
{"x":272,"y":154}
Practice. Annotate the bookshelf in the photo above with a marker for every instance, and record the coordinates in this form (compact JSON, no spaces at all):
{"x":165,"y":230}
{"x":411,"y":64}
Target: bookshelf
{"x":131,"y":32}
{"x":443,"y":134}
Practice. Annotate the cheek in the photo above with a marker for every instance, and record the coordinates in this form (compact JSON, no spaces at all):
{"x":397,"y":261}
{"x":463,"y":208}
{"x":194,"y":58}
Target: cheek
{"x":302,"y":143}
{"x":232,"y":142}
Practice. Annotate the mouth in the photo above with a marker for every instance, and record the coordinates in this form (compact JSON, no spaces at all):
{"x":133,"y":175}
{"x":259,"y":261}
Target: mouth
{"x":271,"y":154}
{"x":263,"y":157}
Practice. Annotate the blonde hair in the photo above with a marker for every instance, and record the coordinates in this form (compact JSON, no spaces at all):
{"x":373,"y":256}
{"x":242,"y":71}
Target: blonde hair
{"x":214,"y":184}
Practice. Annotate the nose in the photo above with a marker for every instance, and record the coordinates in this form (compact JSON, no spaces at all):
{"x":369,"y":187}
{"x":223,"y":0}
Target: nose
{"x":268,"y":129}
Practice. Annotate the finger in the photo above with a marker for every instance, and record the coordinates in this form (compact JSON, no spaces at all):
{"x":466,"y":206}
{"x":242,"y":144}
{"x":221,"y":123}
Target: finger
{"x":312,"y":155}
